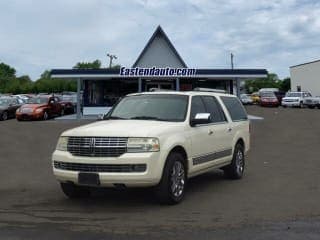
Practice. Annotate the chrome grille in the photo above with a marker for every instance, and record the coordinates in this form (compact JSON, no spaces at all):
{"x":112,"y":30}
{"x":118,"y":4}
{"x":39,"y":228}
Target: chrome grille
{"x":83,"y":167}
{"x":97,"y":146}
{"x":26,"y":110}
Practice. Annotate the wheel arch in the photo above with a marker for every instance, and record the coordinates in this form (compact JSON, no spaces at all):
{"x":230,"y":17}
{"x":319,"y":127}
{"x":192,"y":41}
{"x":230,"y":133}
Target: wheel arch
{"x":181,"y":150}
{"x":241,"y":141}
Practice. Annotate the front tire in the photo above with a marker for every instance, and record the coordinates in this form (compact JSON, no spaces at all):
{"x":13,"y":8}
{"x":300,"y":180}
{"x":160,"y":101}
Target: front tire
{"x":236,"y":169}
{"x":45,"y":116}
{"x":301,"y":105}
{"x":4,"y":116}
{"x":72,"y":191}
{"x":171,"y":188}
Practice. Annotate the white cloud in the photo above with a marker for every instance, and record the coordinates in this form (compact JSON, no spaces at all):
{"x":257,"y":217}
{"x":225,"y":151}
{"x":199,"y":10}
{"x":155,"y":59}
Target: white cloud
{"x":273,"y":34}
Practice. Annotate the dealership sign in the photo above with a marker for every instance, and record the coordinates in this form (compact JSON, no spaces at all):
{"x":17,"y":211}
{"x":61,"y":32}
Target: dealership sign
{"x":155,"y":71}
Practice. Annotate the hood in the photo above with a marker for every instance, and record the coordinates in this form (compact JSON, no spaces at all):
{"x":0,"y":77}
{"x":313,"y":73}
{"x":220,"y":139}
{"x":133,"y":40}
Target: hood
{"x":33,"y":106}
{"x":125,"y":128}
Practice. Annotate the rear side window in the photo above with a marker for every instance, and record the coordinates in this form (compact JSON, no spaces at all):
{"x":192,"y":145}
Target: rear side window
{"x":214,"y":108}
{"x":197,"y":106}
{"x":235,"y":108}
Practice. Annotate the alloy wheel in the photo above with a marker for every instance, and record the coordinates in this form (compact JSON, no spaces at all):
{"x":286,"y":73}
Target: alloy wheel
{"x":177,"y":179}
{"x":5,"y":116}
{"x":239,"y":162}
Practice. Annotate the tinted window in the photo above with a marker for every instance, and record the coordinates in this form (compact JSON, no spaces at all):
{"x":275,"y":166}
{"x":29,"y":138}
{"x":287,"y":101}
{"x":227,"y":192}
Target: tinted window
{"x":213,"y":107}
{"x":197,"y":106}
{"x":235,"y":108}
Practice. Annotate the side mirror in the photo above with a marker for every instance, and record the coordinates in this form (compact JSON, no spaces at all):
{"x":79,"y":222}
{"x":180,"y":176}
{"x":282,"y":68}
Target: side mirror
{"x":200,"y":118}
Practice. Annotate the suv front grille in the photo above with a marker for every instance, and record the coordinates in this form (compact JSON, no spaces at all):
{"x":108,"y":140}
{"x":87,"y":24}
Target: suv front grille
{"x":83,"y":167}
{"x":97,"y":146}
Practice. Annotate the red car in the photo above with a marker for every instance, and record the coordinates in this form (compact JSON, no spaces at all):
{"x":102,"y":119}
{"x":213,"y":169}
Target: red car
{"x":40,"y":107}
{"x":269,"y":99}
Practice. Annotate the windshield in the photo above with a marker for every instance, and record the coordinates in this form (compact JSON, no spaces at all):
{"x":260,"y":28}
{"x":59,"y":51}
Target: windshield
{"x":4,"y":102}
{"x":293,"y":94}
{"x":38,"y":100}
{"x":161,"y":107}
{"x":244,"y":96}
{"x":267,"y":94}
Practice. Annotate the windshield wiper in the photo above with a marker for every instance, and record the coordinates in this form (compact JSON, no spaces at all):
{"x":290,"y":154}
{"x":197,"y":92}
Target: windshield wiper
{"x":148,"y":118}
{"x":114,"y":117}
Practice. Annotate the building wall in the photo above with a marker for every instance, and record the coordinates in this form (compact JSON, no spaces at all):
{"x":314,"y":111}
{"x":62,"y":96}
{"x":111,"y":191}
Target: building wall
{"x":159,"y":54}
{"x":307,"y":76}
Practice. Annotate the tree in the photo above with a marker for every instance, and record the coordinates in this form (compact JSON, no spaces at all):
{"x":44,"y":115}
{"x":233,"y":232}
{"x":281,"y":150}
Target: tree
{"x":285,"y":84}
{"x":272,"y":81}
{"x":7,"y":71}
{"x":88,"y":65}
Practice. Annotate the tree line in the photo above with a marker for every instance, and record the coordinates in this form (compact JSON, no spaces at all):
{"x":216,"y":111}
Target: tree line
{"x":10,"y":83}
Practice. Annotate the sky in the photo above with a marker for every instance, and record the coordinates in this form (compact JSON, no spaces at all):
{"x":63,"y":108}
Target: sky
{"x":36,"y":35}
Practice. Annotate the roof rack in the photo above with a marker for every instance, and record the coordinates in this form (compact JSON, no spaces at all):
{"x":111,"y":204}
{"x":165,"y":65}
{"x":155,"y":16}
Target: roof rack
{"x":209,"y":90}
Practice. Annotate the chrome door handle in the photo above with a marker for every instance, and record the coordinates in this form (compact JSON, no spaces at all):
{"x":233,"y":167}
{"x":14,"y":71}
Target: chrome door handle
{"x":210,"y":132}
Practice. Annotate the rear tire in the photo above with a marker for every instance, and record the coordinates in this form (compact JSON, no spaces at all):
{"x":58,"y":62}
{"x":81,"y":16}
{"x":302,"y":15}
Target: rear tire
{"x":72,"y":191}
{"x":236,"y":169}
{"x":171,"y":188}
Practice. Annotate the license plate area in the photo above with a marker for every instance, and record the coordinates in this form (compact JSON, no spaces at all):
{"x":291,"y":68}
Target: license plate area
{"x":90,"y":179}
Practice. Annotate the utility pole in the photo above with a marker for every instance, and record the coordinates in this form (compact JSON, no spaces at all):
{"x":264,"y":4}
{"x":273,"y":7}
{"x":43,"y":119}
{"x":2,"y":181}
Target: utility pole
{"x":231,"y":55}
{"x":111,"y":58}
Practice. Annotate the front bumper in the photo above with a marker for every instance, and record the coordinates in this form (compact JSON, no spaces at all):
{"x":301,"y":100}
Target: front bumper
{"x":150,"y":177}
{"x":270,"y":104}
{"x":29,"y":116}
{"x":290,"y":104}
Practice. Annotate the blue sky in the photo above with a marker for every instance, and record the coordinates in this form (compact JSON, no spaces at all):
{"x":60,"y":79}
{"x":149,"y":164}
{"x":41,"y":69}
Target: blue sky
{"x":36,"y":35}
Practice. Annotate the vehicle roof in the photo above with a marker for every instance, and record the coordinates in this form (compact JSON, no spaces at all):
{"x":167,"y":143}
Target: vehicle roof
{"x":186,"y":93}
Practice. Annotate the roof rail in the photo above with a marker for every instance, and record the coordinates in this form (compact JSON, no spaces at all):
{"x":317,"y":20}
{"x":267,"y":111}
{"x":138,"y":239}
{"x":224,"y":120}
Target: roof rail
{"x":209,"y":90}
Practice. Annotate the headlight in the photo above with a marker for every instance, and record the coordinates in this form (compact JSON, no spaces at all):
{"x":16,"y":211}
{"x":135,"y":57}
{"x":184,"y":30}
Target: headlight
{"x":18,"y":110}
{"x":143,"y":145}
{"x":62,"y":144}
{"x":39,"y":110}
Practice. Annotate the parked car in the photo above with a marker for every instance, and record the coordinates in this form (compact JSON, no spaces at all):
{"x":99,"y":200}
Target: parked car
{"x":245,"y":99}
{"x":295,"y":99}
{"x":155,"y":139}
{"x":312,"y":102}
{"x":268,"y":99}
{"x":8,"y":107}
{"x":255,"y":97}
{"x":40,"y":107}
{"x":21,"y":98}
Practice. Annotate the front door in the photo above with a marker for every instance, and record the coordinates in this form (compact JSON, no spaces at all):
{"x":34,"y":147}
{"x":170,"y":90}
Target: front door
{"x":211,"y":143}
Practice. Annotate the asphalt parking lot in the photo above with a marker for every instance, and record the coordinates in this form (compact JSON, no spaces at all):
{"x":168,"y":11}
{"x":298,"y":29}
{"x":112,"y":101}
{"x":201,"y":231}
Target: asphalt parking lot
{"x":277,"y":199}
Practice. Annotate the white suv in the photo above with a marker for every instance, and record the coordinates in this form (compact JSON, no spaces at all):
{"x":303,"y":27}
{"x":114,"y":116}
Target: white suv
{"x":295,"y":99}
{"x":157,"y":139}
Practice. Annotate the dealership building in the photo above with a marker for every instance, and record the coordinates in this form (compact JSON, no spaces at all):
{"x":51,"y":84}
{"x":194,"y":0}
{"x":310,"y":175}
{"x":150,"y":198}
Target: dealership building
{"x":159,"y":65}
{"x":306,"y":77}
